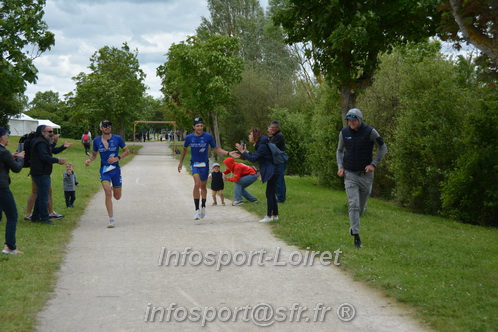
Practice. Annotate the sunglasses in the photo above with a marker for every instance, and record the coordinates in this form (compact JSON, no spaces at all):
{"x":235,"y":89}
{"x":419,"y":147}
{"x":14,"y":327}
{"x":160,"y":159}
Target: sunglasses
{"x":351,"y":116}
{"x":49,"y":131}
{"x":106,"y":125}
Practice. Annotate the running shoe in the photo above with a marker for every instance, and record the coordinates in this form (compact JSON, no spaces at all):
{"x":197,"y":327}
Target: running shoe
{"x":197,"y":215}
{"x":357,"y":242}
{"x":111,"y":224}
{"x":203,"y":212}
{"x":266,"y":219}
{"x":55,"y":215}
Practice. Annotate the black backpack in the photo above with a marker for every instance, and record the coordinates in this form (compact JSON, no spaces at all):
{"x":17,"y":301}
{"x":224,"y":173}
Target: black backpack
{"x":279,"y":157}
{"x":26,"y":140}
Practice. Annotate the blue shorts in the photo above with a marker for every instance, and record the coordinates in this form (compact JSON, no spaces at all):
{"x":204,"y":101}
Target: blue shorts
{"x":202,"y":171}
{"x":113,"y":177}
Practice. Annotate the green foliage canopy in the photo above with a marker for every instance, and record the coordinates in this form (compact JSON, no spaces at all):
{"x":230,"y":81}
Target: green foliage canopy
{"x":347,"y":36}
{"x":199,"y":75}
{"x":114,"y":90}
{"x":21,"y":25}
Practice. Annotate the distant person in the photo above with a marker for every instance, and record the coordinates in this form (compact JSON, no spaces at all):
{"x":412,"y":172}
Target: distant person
{"x":217,"y":184}
{"x":269,"y":171}
{"x":9,"y":162}
{"x":86,"y":138}
{"x":69,"y":183}
{"x":108,"y":146}
{"x":357,"y":166}
{"x":243,"y":177}
{"x":41,"y":170}
{"x":278,"y":139}
{"x":199,"y":143}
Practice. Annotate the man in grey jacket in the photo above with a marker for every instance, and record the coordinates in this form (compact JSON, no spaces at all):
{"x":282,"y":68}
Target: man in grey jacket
{"x":357,"y":165}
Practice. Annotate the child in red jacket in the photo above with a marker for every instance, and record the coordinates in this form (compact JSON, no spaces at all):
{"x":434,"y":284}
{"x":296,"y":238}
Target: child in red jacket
{"x":243,"y":177}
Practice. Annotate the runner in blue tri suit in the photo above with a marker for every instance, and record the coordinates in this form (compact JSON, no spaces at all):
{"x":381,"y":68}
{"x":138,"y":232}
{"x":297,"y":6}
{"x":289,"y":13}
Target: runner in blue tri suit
{"x":108,"y":146}
{"x":199,"y":143}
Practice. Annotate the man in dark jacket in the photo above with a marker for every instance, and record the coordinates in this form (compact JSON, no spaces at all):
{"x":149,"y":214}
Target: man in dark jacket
{"x":357,"y":165}
{"x":41,"y":169}
{"x":278,"y":139}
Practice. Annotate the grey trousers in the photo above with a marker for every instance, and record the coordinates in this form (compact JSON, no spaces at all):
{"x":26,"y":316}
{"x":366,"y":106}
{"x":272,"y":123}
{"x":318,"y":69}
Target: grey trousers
{"x":358,"y":188}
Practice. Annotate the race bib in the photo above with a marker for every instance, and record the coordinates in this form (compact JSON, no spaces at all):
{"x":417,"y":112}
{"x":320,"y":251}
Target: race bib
{"x":199,"y":164}
{"x":108,"y":168}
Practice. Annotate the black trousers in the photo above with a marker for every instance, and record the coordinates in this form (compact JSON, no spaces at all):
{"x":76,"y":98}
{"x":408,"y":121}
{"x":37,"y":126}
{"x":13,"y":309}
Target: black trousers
{"x":70,"y":197}
{"x":271,"y":198}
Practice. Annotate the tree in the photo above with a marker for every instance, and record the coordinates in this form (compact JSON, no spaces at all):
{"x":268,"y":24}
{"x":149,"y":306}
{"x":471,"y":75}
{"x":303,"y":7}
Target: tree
{"x":269,"y":66}
{"x":114,"y":90}
{"x":474,"y":22}
{"x":21,"y":25}
{"x":427,"y":131}
{"x":235,"y":18}
{"x":199,"y":76}
{"x":46,"y":105}
{"x":347,"y":36}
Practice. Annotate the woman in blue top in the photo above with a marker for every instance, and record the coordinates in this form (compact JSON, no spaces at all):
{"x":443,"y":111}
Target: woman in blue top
{"x":269,"y":172}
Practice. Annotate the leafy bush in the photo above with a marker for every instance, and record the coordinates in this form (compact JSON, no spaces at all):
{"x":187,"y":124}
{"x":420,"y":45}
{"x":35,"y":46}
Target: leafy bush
{"x":297,"y":132}
{"x":432,"y":108}
{"x":471,"y":192}
{"x":381,"y":104}
{"x":326,"y":124}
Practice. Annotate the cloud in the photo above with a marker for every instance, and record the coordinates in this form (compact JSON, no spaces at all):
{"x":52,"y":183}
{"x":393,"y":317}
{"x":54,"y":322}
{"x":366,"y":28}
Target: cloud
{"x":82,"y":27}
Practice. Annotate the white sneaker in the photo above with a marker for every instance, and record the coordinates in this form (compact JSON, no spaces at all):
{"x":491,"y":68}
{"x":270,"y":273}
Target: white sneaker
{"x":275,"y":218}
{"x":237,"y":203}
{"x":111,"y":224}
{"x":203,"y":212}
{"x":266,"y":219}
{"x":197,"y":215}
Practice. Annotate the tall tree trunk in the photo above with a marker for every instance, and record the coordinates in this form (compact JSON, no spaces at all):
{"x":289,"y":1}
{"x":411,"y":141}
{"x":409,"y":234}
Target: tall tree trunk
{"x":473,"y":34}
{"x":348,"y":101}
{"x":216,"y":132}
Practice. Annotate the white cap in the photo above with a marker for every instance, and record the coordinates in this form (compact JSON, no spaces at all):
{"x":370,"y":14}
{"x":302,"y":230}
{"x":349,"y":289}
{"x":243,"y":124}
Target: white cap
{"x":216,"y":164}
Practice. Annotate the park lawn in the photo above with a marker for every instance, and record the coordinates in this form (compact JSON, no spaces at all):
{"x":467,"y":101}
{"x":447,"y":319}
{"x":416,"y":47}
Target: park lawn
{"x":28,"y":280}
{"x":446,"y":270}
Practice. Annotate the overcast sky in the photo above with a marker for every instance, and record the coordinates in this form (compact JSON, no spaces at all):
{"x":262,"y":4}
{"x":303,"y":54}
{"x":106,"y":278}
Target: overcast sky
{"x":82,"y":27}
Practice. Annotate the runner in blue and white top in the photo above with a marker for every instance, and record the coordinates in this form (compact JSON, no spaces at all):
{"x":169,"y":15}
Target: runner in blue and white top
{"x":108,"y":146}
{"x":199,"y":143}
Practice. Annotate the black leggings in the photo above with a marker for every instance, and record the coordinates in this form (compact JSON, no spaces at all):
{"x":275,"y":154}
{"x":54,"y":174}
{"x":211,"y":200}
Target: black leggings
{"x":70,"y":197}
{"x":271,"y":198}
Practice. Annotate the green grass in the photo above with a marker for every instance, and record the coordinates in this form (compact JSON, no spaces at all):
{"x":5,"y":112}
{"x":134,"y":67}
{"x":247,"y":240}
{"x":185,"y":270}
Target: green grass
{"x":27,"y":280}
{"x":447,"y":271}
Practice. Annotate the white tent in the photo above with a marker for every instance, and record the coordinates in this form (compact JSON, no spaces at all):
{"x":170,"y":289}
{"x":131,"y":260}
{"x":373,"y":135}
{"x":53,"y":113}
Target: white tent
{"x":48,"y":123}
{"x":22,"y":124}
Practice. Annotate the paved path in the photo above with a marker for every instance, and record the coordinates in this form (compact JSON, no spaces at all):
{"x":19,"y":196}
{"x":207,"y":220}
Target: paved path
{"x":111,"y":279}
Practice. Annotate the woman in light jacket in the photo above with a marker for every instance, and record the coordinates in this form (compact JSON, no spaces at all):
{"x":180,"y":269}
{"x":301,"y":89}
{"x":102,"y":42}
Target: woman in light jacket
{"x":269,"y":172}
